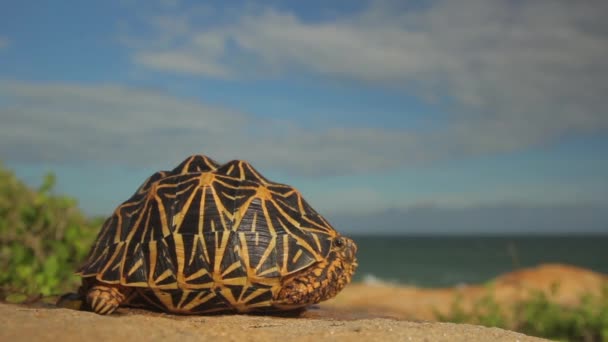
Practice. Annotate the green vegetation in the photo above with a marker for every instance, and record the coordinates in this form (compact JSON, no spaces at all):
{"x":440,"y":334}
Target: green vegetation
{"x":43,"y":237}
{"x":540,"y":315}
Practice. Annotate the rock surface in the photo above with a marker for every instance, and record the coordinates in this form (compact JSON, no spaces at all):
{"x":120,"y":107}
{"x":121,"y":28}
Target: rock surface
{"x":362,"y":312}
{"x":44,"y":324}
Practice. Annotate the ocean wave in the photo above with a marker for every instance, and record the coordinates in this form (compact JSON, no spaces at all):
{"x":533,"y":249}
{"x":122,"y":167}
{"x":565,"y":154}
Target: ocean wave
{"x":371,"y":279}
{"x":446,"y":280}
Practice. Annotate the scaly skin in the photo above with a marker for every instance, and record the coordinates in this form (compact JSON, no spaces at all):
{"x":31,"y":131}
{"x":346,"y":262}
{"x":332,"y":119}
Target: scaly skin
{"x":105,"y":298}
{"x":320,"y":282}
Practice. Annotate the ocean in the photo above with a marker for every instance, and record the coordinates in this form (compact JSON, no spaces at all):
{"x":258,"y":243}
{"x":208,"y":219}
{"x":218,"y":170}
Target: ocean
{"x":437,"y":261}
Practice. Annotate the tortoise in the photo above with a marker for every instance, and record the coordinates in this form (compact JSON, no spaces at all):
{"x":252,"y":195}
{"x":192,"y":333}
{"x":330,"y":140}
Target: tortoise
{"x":207,"y":238}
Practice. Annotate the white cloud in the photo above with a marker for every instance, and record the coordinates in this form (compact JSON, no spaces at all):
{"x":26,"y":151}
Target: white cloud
{"x":60,"y":122}
{"x":181,"y":63}
{"x":496,"y":218}
{"x":4,"y":42}
{"x":169,"y":3}
{"x":516,"y":74}
{"x":353,"y":199}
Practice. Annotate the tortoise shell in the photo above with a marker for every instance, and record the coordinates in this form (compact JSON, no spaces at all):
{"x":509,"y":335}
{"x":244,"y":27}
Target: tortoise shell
{"x":205,"y":237}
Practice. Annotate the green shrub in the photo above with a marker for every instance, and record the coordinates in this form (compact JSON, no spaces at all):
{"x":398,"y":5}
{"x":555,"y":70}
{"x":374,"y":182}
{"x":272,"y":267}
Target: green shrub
{"x":43,"y":237}
{"x":485,"y":311}
{"x":540,"y":315}
{"x":587,"y":321}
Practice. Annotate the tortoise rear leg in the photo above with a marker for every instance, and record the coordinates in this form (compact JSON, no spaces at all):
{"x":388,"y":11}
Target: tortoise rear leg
{"x":106,"y":298}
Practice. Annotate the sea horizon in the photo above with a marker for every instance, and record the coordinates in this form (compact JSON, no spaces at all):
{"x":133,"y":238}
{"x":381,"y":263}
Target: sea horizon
{"x":462,"y":259}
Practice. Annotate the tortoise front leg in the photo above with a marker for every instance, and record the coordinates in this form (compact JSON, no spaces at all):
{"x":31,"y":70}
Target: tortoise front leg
{"x":105,"y":298}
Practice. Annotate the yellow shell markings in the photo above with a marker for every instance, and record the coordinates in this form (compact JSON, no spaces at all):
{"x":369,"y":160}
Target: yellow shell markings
{"x":177,"y":218}
{"x":151,"y":218}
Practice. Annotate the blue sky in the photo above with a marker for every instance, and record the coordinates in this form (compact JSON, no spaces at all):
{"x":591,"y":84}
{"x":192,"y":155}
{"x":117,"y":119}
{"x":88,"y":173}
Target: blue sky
{"x":390,"y":116}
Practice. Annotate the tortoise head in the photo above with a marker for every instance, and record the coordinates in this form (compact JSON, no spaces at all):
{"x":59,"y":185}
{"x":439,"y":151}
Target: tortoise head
{"x":341,"y":266}
{"x":322,"y":280}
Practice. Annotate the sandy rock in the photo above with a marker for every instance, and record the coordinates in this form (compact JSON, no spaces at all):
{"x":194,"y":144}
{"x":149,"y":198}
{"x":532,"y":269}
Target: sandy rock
{"x":46,"y":324}
{"x":362,"y":312}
